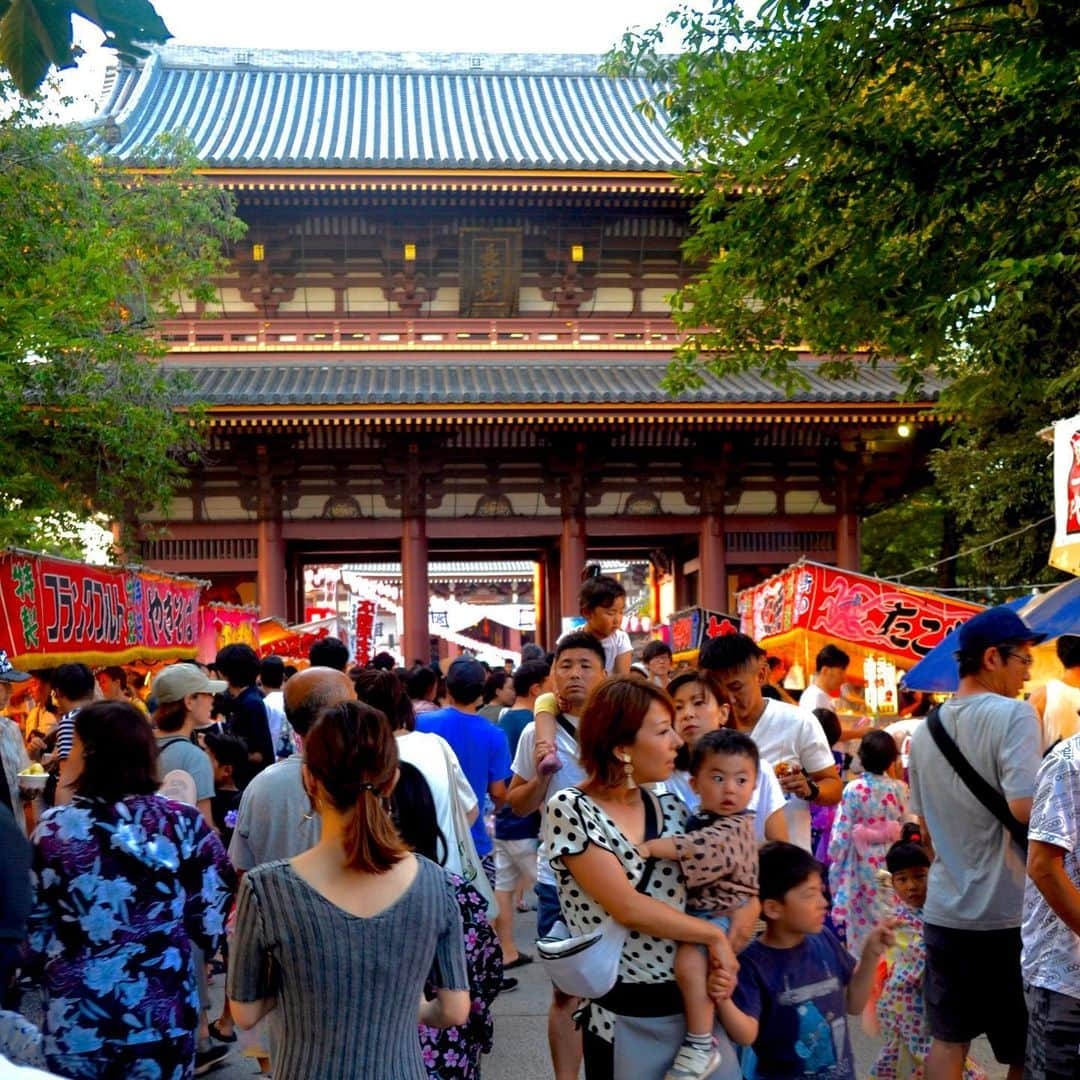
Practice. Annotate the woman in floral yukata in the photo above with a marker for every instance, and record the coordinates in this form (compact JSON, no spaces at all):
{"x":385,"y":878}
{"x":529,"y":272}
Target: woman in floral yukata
{"x":452,"y":1053}
{"x":125,"y":881}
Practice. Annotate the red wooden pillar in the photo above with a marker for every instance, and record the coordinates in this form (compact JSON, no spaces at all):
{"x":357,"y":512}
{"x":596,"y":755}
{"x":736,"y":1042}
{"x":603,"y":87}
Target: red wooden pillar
{"x":848,"y":541}
{"x":415,"y":638}
{"x":712,"y":561}
{"x":271,"y":567}
{"x":571,"y":562}
{"x":848,"y":546}
{"x":270,"y":543}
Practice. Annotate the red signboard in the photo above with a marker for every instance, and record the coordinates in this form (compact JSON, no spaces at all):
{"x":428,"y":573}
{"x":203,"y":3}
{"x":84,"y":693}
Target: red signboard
{"x":226,"y":624}
{"x":844,"y":606}
{"x":53,"y":611}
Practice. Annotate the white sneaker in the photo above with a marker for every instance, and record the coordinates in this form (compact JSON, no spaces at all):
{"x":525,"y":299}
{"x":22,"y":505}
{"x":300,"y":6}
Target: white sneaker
{"x":693,"y":1063}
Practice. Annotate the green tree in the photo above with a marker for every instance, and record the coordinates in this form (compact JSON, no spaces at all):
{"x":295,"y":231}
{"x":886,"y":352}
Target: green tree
{"x":90,"y":255}
{"x":900,"y":176}
{"x":36,"y":35}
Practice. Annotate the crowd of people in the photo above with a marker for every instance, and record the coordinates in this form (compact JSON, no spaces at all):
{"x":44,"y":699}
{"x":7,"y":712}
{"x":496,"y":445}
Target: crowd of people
{"x":723,"y":873}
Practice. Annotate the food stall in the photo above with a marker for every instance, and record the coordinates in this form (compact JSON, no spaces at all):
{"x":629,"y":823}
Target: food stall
{"x":56,"y":611}
{"x":292,"y":643}
{"x":885,"y":628}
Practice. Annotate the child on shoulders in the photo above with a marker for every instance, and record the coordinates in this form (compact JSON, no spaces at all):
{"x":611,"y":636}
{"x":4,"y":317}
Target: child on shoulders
{"x":796,"y":983}
{"x":602,"y":601}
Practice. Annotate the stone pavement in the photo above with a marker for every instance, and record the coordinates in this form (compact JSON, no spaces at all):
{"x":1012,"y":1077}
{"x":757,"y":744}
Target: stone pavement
{"x":521,"y":1051}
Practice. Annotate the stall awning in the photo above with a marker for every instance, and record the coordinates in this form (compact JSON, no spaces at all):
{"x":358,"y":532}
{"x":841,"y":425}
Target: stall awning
{"x":1051,"y":613}
{"x":808,"y":605}
{"x":57,"y":611}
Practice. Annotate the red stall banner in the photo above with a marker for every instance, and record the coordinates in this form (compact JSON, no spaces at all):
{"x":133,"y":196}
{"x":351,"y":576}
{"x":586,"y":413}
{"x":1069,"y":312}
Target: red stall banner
{"x":365,"y":630}
{"x":55,"y":611}
{"x":226,"y":624}
{"x":876,"y":615}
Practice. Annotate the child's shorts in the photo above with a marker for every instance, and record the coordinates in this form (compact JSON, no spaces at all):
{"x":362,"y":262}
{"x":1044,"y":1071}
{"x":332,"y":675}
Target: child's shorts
{"x":714,"y":917}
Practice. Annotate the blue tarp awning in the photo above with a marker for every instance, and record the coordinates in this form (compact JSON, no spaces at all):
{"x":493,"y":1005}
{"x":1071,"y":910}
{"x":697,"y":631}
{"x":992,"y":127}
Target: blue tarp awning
{"x":1052,"y":613}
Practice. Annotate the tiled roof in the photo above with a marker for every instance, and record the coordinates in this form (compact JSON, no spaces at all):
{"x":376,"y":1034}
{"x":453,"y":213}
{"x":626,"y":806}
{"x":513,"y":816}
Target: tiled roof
{"x":514,"y":382}
{"x":333,"y":110}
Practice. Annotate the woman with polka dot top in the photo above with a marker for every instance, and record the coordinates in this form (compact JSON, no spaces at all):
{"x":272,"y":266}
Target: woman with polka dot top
{"x":626,"y":739}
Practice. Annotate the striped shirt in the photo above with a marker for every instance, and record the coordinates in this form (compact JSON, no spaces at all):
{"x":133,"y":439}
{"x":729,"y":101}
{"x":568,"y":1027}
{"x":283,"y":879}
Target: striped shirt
{"x":347,"y":985}
{"x":65,"y":734}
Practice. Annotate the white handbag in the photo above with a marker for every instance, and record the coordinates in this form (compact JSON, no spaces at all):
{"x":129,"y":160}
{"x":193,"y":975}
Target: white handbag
{"x":588,"y":965}
{"x":585,"y":966}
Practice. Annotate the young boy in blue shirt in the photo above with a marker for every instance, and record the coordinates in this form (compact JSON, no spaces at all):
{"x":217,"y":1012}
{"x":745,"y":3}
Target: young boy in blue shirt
{"x":797,"y":983}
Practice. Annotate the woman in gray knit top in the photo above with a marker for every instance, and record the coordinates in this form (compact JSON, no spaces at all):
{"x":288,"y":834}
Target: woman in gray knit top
{"x":340,"y":940}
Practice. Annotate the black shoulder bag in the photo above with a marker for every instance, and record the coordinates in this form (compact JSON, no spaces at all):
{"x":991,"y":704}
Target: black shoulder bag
{"x":992,"y":799}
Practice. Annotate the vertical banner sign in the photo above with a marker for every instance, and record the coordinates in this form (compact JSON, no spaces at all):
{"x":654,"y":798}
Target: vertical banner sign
{"x":365,"y":627}
{"x":838,"y":604}
{"x":54,"y":611}
{"x":1065,"y":552}
{"x":166,"y":611}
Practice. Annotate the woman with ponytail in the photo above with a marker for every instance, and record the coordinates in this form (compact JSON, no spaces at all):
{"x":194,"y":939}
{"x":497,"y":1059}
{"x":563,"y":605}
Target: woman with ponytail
{"x":342,"y":938}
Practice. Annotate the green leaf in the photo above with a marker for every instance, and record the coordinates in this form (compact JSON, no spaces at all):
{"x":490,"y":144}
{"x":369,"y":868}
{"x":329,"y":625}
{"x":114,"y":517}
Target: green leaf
{"x":33,"y":36}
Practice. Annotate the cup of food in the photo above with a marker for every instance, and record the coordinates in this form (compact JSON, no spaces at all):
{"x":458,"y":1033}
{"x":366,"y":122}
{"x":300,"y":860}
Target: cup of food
{"x":33,"y":778}
{"x":785,"y":768}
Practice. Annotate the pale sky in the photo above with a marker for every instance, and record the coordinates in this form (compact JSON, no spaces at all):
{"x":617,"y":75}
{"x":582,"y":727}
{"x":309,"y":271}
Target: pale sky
{"x":553,"y":26}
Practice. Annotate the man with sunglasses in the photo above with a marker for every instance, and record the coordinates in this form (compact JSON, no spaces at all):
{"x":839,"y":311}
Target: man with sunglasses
{"x":976,"y":891}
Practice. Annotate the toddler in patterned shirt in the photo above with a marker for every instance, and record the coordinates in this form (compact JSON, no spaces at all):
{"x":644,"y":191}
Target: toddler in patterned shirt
{"x":718,"y":854}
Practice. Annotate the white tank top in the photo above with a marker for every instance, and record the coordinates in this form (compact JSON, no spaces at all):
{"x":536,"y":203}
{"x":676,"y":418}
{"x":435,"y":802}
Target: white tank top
{"x":1061,"y":717}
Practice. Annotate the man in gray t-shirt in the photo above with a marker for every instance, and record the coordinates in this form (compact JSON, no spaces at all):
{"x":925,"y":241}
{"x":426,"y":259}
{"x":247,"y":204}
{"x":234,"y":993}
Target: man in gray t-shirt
{"x":274,"y":820}
{"x":975,"y":897}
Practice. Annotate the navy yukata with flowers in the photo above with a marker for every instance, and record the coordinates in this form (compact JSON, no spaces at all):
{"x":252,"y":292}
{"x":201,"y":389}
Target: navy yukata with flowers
{"x":121,"y":891}
{"x":453,"y":1053}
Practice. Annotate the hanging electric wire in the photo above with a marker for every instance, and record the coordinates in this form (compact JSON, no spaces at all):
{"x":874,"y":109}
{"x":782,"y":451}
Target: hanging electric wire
{"x":972,"y":551}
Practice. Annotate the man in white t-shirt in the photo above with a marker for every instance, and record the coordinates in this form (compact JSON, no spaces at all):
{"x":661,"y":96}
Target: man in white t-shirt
{"x":1057,"y":702}
{"x":1051,"y":929}
{"x":271,"y":681}
{"x":832,"y":664}
{"x":786,"y":735}
{"x":579,"y":667}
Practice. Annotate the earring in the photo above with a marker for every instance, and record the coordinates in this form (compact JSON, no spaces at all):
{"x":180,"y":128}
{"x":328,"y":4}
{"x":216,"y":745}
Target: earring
{"x":628,"y":768}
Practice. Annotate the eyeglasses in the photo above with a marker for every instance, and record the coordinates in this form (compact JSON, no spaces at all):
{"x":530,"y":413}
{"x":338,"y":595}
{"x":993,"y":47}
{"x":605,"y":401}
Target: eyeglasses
{"x":1025,"y":658}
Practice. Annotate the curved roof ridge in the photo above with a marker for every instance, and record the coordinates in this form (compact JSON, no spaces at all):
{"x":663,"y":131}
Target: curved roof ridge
{"x":217,"y":57}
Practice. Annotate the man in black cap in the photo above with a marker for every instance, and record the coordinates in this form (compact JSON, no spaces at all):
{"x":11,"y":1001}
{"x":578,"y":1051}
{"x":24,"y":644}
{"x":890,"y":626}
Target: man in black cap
{"x":481,"y":746}
{"x":976,"y":891}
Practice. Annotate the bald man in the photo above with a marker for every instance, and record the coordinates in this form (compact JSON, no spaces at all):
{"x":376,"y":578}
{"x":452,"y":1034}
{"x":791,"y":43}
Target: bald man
{"x":274,"y":820}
